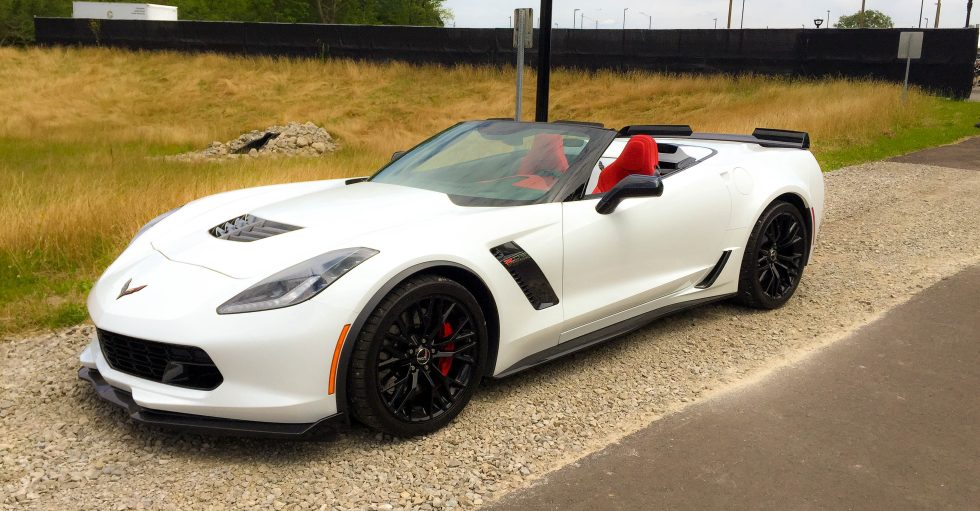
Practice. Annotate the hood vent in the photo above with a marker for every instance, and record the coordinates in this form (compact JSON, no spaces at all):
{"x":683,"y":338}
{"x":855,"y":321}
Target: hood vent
{"x":249,"y":228}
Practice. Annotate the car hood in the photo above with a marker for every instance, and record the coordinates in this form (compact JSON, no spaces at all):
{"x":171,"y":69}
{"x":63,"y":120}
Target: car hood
{"x":332,"y":218}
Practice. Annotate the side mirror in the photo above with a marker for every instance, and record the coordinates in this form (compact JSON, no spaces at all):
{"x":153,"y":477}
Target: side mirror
{"x":630,"y":186}
{"x":397,"y":154}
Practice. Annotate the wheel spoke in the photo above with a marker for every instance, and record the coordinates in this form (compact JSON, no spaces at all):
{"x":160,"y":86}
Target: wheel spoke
{"x":789,"y":243}
{"x":413,"y":356}
{"x":458,"y":335}
{"x":394,"y":384}
{"x":397,"y":362}
{"x":453,"y":353}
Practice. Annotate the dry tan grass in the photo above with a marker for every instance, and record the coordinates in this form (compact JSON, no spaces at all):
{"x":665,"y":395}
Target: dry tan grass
{"x":78,"y":125}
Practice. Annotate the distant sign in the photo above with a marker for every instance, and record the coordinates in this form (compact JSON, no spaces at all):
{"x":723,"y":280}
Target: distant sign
{"x":524,"y":20}
{"x":910,"y":45}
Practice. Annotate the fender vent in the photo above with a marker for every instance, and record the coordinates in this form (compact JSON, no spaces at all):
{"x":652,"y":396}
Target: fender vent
{"x":249,"y":228}
{"x":527,"y":274}
{"x":712,"y":276}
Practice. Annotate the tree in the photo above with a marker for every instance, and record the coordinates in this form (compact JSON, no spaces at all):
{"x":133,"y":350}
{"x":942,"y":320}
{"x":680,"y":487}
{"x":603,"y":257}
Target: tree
{"x":872,"y":19}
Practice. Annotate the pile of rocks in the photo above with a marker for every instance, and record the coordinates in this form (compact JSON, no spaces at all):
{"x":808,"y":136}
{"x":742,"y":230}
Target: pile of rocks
{"x":293,"y":139}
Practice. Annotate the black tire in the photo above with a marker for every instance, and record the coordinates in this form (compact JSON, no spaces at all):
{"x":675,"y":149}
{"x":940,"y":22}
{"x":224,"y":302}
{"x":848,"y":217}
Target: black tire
{"x":771,"y":271}
{"x":400,"y":381}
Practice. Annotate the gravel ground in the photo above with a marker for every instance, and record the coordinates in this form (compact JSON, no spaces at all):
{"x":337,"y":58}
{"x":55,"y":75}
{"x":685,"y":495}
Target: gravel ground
{"x":891,"y":229}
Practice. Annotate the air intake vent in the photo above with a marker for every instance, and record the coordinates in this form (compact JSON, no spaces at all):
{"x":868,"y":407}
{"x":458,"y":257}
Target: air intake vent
{"x":249,"y":228}
{"x":183,"y":366}
{"x":527,"y":274}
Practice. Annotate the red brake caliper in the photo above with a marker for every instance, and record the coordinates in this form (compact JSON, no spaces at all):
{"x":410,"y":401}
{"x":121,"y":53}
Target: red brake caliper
{"x":446,"y":363}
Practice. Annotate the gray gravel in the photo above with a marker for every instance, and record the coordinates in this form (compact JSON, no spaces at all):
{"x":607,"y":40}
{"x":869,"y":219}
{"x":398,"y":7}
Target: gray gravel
{"x":891,"y":230}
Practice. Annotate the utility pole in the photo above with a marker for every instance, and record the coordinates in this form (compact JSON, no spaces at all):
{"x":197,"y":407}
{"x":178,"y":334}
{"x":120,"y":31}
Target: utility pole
{"x":922,"y":10}
{"x":730,"y":14}
{"x":862,"y":14}
{"x":939,"y":8}
{"x":969,"y":10}
{"x":742,"y":21}
{"x":544,"y":62}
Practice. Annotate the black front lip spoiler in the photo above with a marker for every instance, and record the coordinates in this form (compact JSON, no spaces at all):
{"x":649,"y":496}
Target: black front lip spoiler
{"x":203,"y":424}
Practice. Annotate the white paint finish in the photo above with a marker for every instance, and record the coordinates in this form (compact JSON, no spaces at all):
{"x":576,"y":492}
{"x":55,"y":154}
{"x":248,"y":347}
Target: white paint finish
{"x":647,"y":254}
{"x":646,"y":249}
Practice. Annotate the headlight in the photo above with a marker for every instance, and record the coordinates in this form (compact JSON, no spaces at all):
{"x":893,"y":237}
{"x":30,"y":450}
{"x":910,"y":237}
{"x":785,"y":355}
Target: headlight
{"x":297,"y":284}
{"x":151,"y":223}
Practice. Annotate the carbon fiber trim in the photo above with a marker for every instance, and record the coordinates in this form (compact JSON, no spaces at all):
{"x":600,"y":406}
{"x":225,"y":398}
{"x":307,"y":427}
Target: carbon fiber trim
{"x":527,"y":274}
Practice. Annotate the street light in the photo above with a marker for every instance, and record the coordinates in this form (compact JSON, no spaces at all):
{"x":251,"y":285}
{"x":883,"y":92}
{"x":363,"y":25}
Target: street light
{"x":927,"y":22}
{"x":624,"y":17}
{"x":510,"y":22}
{"x":818,"y":22}
{"x":716,"y":23}
{"x":922,"y":10}
{"x":742,"y":21}
{"x":651,"y":19}
{"x":575,"y":15}
{"x":828,"y":18}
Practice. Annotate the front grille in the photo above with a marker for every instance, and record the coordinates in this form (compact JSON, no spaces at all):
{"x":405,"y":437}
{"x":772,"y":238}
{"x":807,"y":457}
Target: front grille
{"x":183,"y":366}
{"x":249,"y":228}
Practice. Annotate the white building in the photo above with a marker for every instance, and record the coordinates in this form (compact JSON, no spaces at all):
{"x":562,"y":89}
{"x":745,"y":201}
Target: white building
{"x":122,"y":11}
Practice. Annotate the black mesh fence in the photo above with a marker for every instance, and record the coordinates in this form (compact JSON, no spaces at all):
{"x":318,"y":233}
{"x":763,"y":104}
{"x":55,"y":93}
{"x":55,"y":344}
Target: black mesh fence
{"x":946,"y":66}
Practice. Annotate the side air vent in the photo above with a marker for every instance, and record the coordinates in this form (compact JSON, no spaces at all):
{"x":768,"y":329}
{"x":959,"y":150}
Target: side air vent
{"x":249,"y":228}
{"x":527,"y":274}
{"x":712,"y":276}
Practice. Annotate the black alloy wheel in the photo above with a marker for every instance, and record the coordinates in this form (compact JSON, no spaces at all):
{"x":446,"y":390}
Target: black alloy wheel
{"x":774,"y":257}
{"x":419,"y":358}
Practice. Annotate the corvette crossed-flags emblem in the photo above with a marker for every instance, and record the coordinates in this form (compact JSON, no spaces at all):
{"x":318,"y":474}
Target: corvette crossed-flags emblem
{"x":126,"y":290}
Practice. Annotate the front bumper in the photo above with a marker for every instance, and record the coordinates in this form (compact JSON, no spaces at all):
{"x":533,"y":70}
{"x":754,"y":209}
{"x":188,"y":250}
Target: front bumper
{"x":275,"y":365}
{"x":203,"y":424}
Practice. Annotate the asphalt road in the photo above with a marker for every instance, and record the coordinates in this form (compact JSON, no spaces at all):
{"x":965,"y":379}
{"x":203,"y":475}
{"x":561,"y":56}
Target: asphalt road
{"x":888,"y":418}
{"x":964,"y":155}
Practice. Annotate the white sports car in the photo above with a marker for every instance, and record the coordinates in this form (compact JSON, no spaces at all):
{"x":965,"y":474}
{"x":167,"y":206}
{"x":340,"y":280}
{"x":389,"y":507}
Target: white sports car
{"x":488,"y":249}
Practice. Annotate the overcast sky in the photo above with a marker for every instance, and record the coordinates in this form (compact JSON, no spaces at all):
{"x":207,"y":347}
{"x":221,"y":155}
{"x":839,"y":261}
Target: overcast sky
{"x":701,"y":13}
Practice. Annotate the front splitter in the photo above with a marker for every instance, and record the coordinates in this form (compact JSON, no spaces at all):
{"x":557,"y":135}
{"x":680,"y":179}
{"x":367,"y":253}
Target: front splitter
{"x":205,"y":424}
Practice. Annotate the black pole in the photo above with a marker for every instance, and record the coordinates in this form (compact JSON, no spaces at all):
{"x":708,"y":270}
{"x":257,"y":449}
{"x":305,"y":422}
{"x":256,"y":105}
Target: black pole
{"x":544,"y":62}
{"x":969,"y":10}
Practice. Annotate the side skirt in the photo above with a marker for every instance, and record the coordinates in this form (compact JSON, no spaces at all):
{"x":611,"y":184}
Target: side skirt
{"x":602,"y":335}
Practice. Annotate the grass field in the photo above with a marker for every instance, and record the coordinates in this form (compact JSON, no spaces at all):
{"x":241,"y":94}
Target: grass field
{"x":79,"y":130}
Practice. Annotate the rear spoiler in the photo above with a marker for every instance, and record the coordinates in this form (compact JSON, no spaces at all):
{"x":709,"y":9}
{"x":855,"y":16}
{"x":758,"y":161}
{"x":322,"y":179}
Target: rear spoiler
{"x":764,"y":137}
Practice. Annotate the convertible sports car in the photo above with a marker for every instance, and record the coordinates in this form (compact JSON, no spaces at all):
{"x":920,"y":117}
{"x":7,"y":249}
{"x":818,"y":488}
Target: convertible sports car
{"x":488,"y":249}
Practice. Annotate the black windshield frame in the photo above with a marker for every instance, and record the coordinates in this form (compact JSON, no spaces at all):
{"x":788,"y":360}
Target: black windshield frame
{"x":574,"y":178}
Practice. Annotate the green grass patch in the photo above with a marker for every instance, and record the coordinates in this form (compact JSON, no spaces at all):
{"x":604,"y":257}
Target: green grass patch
{"x":943,"y":122}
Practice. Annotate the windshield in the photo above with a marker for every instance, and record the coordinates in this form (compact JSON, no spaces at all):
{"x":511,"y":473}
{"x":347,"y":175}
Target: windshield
{"x":497,"y":160}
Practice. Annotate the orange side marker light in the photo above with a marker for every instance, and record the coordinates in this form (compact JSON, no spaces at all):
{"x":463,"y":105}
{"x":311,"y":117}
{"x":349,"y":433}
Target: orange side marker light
{"x":332,"y":387}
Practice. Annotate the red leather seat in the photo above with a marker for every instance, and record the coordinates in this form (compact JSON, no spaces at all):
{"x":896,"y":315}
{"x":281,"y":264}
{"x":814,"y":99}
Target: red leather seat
{"x":640,"y":156}
{"x":547,"y":154}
